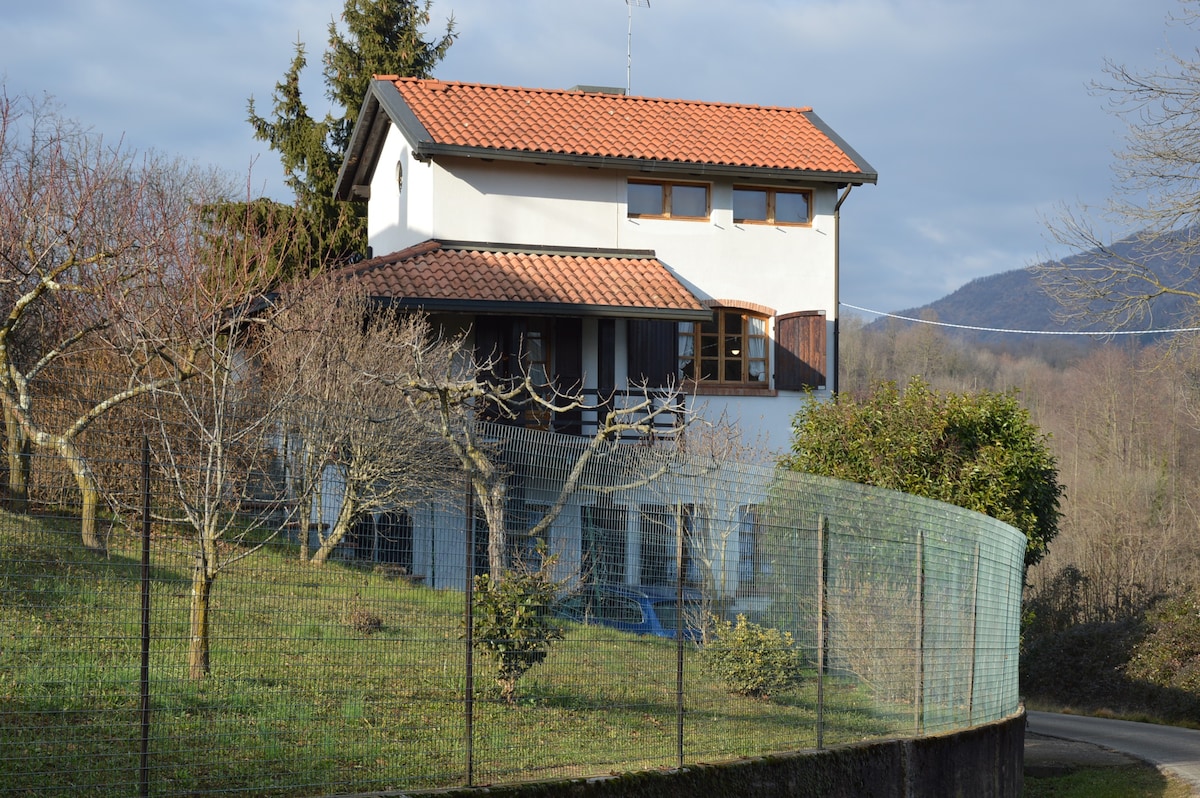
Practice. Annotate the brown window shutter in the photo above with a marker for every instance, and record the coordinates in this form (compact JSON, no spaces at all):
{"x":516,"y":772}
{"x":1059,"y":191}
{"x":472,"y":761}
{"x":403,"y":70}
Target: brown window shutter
{"x":492,"y":341}
{"x":567,"y":347}
{"x":800,"y":350}
{"x":653,"y":352}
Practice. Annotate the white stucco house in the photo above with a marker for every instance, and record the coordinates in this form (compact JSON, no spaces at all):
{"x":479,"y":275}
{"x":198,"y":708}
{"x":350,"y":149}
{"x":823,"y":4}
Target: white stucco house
{"x":609,"y":240}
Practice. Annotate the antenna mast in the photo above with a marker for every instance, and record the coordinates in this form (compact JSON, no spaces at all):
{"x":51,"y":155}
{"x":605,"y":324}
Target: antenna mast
{"x":629,"y":42}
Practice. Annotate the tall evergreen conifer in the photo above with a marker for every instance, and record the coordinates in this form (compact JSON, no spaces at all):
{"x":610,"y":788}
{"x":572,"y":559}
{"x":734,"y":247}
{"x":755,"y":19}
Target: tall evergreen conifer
{"x":380,"y":37}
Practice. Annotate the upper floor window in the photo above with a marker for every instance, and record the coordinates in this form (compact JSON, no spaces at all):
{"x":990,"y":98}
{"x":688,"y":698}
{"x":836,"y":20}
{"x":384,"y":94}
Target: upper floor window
{"x":668,"y":200}
{"x":729,"y":350}
{"x":771,"y":206}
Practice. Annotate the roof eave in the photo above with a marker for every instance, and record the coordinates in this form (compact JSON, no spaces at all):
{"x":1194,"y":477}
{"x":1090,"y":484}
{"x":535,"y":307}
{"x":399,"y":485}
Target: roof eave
{"x":366,"y":141}
{"x":478,"y":306}
{"x":431,"y":150}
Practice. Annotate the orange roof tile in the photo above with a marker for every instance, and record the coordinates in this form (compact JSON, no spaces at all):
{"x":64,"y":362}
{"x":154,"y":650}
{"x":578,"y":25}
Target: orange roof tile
{"x":596,"y":125}
{"x":465,"y":277}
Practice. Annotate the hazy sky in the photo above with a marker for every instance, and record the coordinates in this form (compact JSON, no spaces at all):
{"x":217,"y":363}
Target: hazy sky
{"x":977,"y":116}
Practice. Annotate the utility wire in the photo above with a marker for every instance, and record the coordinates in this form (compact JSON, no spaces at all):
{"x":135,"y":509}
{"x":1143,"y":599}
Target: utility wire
{"x":1017,"y":332}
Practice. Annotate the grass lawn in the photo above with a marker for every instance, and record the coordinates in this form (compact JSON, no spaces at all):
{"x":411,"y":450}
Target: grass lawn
{"x":301,"y":702}
{"x":1134,"y":781}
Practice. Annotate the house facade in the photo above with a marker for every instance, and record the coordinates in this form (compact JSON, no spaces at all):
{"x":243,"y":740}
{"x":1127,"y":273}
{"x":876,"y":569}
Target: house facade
{"x":642,"y":239}
{"x":609,"y":242}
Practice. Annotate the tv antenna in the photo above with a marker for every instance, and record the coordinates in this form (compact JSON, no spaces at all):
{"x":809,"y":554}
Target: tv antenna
{"x":629,"y":41}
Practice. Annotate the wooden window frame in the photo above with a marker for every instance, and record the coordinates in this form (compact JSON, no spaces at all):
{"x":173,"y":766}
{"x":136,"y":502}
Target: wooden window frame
{"x":665,"y":212}
{"x":695,"y":332}
{"x":772,"y":193}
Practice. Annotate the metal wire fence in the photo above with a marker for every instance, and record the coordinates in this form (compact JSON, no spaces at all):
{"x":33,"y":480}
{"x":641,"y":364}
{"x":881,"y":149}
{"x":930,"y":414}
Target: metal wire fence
{"x":697,"y":610}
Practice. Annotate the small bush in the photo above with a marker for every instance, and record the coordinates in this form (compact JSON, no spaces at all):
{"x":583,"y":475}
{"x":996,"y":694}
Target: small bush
{"x":752,"y":660}
{"x":513,"y":623}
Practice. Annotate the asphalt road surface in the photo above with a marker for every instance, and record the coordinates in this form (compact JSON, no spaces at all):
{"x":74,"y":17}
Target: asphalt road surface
{"x":1174,"y":750}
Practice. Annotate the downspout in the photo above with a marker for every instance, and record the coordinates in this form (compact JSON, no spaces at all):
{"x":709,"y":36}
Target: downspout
{"x":837,"y":286}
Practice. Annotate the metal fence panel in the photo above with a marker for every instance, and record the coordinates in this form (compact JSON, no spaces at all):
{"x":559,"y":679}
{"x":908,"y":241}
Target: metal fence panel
{"x":358,"y":675}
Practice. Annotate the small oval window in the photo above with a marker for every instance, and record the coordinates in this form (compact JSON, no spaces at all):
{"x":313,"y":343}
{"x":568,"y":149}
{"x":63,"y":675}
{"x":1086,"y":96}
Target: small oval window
{"x":399,"y":175}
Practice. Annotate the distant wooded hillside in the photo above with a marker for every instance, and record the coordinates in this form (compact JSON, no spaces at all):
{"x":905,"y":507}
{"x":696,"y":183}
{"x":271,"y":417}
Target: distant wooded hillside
{"x":1014,"y":300}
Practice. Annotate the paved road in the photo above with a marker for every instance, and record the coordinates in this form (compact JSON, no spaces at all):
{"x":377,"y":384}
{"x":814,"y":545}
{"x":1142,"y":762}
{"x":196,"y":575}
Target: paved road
{"x":1172,"y":749}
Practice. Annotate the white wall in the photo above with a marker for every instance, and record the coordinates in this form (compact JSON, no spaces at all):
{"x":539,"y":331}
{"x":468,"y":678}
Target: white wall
{"x":399,"y":215}
{"x":465,"y":199}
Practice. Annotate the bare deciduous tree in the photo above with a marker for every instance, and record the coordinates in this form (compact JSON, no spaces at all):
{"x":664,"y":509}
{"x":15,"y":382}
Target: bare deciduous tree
{"x":83,"y":225}
{"x":217,"y":418}
{"x":347,"y":416}
{"x":1155,"y":209}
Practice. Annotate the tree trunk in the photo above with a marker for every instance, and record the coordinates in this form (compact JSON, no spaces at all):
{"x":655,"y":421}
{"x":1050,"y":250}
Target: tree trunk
{"x":346,"y":516}
{"x":88,"y":490}
{"x":198,"y":661}
{"x":492,"y":498}
{"x":19,"y":464}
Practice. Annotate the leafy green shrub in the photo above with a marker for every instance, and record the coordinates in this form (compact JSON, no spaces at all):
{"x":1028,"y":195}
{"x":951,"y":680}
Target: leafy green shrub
{"x":980,"y":451}
{"x":752,"y":660}
{"x":1169,"y":654}
{"x":513,"y":623}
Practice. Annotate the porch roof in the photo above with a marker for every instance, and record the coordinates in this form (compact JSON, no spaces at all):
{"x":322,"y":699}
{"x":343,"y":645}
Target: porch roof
{"x":472,"y":277}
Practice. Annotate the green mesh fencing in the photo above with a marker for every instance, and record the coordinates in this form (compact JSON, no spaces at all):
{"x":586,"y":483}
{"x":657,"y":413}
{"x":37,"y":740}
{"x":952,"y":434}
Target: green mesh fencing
{"x":156,"y":664}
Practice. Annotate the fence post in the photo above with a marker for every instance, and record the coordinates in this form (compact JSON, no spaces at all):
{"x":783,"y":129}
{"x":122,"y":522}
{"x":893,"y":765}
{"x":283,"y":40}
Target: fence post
{"x":469,"y":624}
{"x":919,"y":687}
{"x":144,"y":680}
{"x":822,"y":592}
{"x":679,"y":533}
{"x":974,"y":638}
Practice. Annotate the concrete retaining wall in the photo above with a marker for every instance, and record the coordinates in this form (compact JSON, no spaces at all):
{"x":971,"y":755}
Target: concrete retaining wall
{"x":983,"y":762}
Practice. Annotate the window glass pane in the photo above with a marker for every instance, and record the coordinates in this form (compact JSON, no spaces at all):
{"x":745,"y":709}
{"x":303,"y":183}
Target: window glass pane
{"x":756,"y":325}
{"x":708,"y":369}
{"x":758,"y":371}
{"x":791,"y":208}
{"x":645,"y":198}
{"x":749,"y":204}
{"x":689,"y":200}
{"x":733,"y":370}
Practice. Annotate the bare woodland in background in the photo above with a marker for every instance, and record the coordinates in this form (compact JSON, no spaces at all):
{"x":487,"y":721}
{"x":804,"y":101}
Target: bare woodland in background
{"x":1124,"y":422}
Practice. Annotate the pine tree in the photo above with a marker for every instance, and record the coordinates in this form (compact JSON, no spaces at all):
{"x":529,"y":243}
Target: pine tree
{"x":382,"y":37}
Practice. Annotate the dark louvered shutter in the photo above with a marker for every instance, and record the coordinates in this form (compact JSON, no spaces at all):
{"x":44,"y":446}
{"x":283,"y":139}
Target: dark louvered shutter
{"x":653,"y":352}
{"x":567,"y":348}
{"x":800,"y":350}
{"x":492,"y":334}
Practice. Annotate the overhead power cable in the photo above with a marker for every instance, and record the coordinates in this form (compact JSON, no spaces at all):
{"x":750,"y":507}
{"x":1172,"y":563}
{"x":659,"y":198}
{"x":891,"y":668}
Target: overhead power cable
{"x":1018,"y":332}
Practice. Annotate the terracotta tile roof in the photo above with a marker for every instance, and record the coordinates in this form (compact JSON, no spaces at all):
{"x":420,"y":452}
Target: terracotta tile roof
{"x":465,"y":277}
{"x":596,"y":125}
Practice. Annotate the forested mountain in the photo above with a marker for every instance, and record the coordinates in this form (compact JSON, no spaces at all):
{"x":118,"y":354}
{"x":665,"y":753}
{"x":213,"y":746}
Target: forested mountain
{"x":1015,"y":300}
